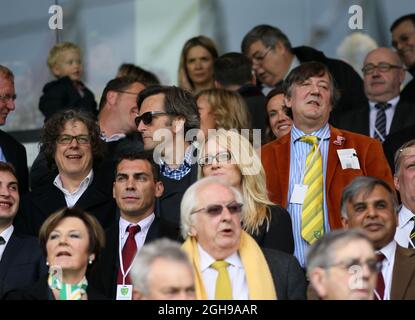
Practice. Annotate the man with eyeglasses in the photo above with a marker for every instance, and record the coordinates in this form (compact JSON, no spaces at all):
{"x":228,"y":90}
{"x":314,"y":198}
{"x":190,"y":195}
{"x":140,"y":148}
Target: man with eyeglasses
{"x":273,"y":58}
{"x":403,"y":40}
{"x":10,"y":149}
{"x":228,"y":264}
{"x":370,"y":204}
{"x":71,"y":145}
{"x":386,"y":111}
{"x":168,"y":121}
{"x":342,"y":266}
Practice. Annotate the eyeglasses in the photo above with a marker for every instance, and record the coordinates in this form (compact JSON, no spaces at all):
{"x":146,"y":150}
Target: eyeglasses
{"x":216,"y":209}
{"x":382,"y":67}
{"x":258,"y":58}
{"x":7,"y":97}
{"x":220,"y":157}
{"x":67,"y":139}
{"x":373,"y":264}
{"x":403,"y":38}
{"x":147,"y":117}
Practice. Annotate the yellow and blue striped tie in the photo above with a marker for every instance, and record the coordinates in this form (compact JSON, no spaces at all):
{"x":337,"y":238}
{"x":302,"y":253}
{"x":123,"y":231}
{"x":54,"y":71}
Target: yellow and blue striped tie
{"x":312,"y":227}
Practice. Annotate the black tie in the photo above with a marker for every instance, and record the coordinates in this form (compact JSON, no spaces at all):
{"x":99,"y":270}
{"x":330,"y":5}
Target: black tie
{"x":2,"y":241}
{"x":380,"y":123}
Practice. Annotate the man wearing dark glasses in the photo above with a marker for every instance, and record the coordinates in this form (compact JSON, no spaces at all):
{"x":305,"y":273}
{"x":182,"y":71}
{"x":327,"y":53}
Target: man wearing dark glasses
{"x":370,"y":204}
{"x":166,"y":119}
{"x":228,"y":264}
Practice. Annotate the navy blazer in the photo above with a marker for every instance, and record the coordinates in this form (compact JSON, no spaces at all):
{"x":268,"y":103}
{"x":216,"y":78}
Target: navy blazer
{"x":22,"y":263}
{"x":15,"y":153}
{"x":103,"y":276}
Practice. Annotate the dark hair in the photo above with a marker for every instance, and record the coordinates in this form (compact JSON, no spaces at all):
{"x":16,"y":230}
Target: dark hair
{"x":147,"y":78}
{"x":307,"y":70}
{"x":54,"y":126}
{"x":202,"y":41}
{"x":117,"y":84}
{"x":268,"y":35}
{"x":177,"y":102}
{"x":397,"y":22}
{"x":232,"y":68}
{"x":139,"y":155}
{"x":279,"y":89}
{"x":8,"y":167}
{"x":95,"y":232}
{"x":366,"y":185}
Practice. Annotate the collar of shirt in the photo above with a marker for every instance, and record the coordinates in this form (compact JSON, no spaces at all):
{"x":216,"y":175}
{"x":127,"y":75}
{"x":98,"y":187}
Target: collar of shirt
{"x":393,"y":103}
{"x":294,"y":64}
{"x":389,"y":251}
{"x":206,"y":259}
{"x":82,"y":186}
{"x":405,"y":216}
{"x":182,"y":170}
{"x":114,"y":137}
{"x":7,"y":233}
{"x":322,"y":133}
{"x":144,"y":225}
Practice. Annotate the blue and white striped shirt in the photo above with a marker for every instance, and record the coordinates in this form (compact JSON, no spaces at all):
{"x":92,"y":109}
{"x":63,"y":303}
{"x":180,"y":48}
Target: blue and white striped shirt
{"x":299,"y":152}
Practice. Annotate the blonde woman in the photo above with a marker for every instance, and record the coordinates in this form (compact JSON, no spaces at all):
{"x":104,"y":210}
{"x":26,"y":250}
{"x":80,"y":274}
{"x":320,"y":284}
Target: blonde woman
{"x":196,"y":64}
{"x":230,"y":157}
{"x":221,"y":108}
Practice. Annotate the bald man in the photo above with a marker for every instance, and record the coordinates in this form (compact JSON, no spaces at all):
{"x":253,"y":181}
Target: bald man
{"x":386,"y":112}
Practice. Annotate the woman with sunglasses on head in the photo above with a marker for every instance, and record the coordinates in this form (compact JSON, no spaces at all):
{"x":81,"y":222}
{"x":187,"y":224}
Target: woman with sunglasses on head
{"x":71,"y":240}
{"x":230,"y":157}
{"x":196,"y":64}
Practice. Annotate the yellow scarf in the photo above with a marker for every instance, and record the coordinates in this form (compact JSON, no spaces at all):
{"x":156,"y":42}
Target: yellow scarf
{"x":258,"y":276}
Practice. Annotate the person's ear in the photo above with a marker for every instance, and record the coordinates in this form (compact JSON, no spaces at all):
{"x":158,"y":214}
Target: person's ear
{"x":396,"y":182}
{"x":345,"y":222}
{"x":287,"y":102}
{"x":318,"y":281}
{"x":56,"y":70}
{"x":111,"y":97}
{"x":159,"y":189}
{"x":178,"y":124}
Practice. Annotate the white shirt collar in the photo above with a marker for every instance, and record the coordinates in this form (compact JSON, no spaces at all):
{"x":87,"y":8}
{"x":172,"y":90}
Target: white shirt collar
{"x":206,"y":259}
{"x":393,"y":102}
{"x":405,"y":216}
{"x":114,"y":137}
{"x":7,"y":233}
{"x":144,"y":224}
{"x":294,"y":64}
{"x":389,"y":250}
{"x":83,"y":185}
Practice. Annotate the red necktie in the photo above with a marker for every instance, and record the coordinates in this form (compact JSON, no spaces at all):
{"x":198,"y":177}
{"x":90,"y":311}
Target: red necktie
{"x":128,"y":253}
{"x":380,"y":285}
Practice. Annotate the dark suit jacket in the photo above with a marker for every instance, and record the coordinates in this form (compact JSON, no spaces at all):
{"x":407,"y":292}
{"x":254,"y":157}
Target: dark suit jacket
{"x":15,"y":153}
{"x":280,"y":233}
{"x":403,"y":276}
{"x":40,"y":203}
{"x":62,"y":94}
{"x":289,"y":278}
{"x":168,"y":205}
{"x":103,"y":276}
{"x":408,"y":93}
{"x":22,"y":263}
{"x":358,"y":120}
{"x":394,"y":141}
{"x":276,"y":161}
{"x":41,"y":291}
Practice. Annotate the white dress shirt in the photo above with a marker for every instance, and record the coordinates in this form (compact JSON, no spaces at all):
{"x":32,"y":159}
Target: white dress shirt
{"x":387,"y":266}
{"x":236,"y":274}
{"x":140,"y":237}
{"x":72,"y":197}
{"x":389,"y":115}
{"x":6,"y":234}
{"x":405,"y":226}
